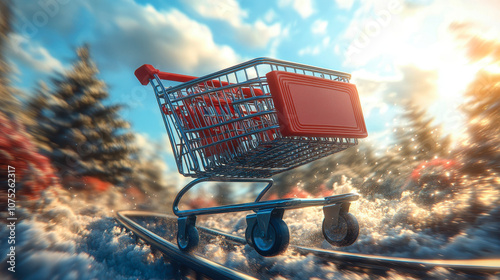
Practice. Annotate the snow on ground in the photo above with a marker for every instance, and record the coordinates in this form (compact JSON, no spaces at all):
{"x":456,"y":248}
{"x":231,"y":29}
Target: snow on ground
{"x":66,"y":236}
{"x":464,"y":225}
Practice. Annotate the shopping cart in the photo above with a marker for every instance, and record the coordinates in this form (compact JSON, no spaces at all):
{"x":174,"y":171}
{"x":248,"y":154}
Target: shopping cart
{"x":249,"y":122}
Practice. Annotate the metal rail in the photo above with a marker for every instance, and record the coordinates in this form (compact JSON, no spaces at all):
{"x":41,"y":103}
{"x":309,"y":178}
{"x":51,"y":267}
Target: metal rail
{"x":476,"y":266}
{"x":196,"y":263}
{"x":372,"y":261}
{"x":345,"y":259}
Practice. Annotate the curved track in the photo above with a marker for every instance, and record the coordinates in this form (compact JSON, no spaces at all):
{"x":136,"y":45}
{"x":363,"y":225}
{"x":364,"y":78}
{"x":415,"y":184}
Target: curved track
{"x":196,"y":263}
{"x":341,"y":259}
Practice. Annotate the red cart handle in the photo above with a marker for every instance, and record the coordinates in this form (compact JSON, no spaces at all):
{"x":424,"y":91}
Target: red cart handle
{"x":146,"y":72}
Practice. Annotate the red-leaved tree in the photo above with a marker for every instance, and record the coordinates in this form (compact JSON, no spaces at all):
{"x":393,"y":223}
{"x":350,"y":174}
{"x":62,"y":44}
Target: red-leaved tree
{"x":33,"y":171}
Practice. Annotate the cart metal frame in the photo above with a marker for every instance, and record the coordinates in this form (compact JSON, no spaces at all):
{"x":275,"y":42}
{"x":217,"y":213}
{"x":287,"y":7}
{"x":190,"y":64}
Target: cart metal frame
{"x":224,"y":127}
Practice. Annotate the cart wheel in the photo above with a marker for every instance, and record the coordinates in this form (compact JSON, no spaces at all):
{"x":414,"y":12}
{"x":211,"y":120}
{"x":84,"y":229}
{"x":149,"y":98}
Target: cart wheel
{"x":190,"y":241}
{"x":345,"y":233}
{"x":276,"y":241}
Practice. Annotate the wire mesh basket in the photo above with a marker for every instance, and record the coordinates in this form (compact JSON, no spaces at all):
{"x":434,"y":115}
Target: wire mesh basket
{"x":256,"y":119}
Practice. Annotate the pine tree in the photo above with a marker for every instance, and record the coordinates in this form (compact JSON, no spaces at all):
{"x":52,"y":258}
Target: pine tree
{"x":419,"y":139}
{"x":482,"y":150}
{"x":8,"y":102}
{"x":86,"y":138}
{"x":34,"y":116}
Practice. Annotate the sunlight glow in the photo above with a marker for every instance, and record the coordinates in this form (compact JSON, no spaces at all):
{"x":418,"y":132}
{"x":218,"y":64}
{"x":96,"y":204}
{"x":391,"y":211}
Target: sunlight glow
{"x":493,"y":68}
{"x":453,"y":80}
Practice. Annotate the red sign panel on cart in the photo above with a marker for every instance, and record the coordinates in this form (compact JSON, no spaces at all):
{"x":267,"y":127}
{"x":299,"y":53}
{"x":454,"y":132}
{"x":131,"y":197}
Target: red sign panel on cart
{"x":316,"y":107}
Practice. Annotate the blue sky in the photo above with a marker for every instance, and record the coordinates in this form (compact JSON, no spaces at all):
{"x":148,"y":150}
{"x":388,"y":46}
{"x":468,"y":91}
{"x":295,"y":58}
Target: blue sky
{"x":396,"y":50}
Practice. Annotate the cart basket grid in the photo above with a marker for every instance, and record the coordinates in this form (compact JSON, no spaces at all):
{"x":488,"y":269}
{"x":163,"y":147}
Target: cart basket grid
{"x":245,"y":121}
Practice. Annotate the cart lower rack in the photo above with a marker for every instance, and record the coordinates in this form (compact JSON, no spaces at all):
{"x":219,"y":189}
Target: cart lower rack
{"x":251,"y":121}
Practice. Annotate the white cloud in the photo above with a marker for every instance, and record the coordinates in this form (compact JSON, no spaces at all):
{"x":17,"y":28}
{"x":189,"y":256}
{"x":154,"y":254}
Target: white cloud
{"x":255,"y":35}
{"x":259,"y":34}
{"x":270,"y":15}
{"x":316,"y":49}
{"x":275,"y":44}
{"x":309,"y":50}
{"x":149,"y":148}
{"x":226,"y":10}
{"x":344,"y":4}
{"x":369,"y":83}
{"x":416,"y":85}
{"x":372,"y":89}
{"x":319,"y":26}
{"x":169,"y":40}
{"x":154,"y":152}
{"x":32,"y":54}
{"x":158,"y":153}
{"x":303,"y":7}
{"x":336,"y":49}
{"x":127,"y":33}
{"x":410,"y":83}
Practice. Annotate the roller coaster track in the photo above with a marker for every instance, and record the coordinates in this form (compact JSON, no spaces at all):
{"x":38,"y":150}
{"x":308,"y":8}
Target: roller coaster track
{"x":342,"y":259}
{"x":170,"y":250}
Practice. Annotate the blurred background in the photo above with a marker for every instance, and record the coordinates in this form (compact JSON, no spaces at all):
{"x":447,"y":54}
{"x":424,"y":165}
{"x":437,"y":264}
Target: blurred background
{"x":76,"y":123}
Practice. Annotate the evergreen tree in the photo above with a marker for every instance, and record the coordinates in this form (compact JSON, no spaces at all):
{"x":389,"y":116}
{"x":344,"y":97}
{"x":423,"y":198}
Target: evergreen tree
{"x":34,"y":117}
{"x":419,"y":139}
{"x":8,"y":102}
{"x":482,"y":150}
{"x":85,"y":137}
